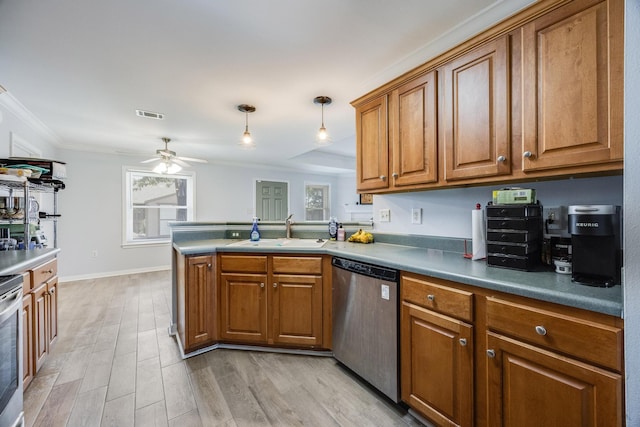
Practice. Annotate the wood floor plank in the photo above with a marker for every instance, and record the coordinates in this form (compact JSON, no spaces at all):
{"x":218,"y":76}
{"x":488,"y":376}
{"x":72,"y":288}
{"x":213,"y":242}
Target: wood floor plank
{"x":119,"y":412}
{"x":190,"y":419}
{"x":242,"y":404}
{"x":147,"y":345}
{"x":177,"y":390}
{"x":74,"y":366}
{"x":149,"y":382}
{"x":99,"y":371}
{"x":56,"y":410}
{"x":154,"y":415}
{"x":88,"y":407}
{"x":36,"y":395}
{"x":167,"y":348}
{"x":210,"y":401}
{"x":122,"y":380}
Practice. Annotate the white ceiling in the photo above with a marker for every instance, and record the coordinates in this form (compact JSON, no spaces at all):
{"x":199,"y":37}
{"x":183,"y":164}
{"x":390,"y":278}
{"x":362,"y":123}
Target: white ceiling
{"x":84,"y":67}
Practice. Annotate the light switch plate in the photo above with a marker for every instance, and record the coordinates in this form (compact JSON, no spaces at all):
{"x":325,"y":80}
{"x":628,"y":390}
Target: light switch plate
{"x":416,"y":216}
{"x":384,"y":215}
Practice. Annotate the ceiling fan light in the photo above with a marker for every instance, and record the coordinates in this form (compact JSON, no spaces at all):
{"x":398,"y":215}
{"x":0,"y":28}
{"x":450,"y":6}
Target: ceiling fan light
{"x":173,"y":168}
{"x":160,"y":168}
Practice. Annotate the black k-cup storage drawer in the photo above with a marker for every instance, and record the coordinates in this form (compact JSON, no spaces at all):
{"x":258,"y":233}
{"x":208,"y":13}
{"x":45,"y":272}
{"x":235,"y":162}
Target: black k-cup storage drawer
{"x":525,"y":263}
{"x":514,"y":211}
{"x":518,"y":249}
{"x":526,"y":224}
{"x":512,"y":236}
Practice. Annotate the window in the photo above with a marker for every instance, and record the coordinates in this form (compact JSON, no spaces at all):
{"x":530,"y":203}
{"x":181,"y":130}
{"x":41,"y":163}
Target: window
{"x":151,"y":201}
{"x":317,"y":206}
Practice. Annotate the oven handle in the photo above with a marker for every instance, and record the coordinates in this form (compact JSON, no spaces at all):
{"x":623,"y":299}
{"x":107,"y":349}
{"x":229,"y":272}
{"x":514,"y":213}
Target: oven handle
{"x":9,"y":301}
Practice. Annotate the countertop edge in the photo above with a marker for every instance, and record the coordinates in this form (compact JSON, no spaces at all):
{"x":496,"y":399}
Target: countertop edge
{"x":486,"y":277}
{"x":20,"y":261}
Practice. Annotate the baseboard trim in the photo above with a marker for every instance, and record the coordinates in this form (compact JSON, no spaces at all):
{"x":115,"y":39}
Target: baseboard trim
{"x":91,"y":276}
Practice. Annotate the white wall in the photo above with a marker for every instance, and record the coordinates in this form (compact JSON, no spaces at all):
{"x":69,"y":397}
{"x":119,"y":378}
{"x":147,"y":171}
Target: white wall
{"x":448,"y":212}
{"x":91,"y":208}
{"x":631,"y":218}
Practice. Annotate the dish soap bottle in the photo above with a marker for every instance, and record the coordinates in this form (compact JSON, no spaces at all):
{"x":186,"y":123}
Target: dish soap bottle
{"x":255,"y":234}
{"x":340,"y":233}
{"x":333,"y":228}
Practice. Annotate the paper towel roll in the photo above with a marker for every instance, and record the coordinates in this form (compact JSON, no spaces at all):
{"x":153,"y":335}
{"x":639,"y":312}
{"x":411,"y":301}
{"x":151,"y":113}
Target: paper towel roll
{"x":478,"y":240}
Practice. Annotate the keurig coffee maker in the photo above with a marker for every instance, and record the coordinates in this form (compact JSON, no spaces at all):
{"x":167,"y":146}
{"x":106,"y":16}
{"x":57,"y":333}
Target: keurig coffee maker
{"x":595,"y":241}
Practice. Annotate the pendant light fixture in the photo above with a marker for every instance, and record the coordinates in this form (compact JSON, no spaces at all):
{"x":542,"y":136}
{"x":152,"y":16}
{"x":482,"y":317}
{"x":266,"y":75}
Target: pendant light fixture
{"x":247,"y":140}
{"x":322,"y":138}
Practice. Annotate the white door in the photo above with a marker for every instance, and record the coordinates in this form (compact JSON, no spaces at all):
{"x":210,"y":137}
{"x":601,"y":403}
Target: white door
{"x":272,"y":202}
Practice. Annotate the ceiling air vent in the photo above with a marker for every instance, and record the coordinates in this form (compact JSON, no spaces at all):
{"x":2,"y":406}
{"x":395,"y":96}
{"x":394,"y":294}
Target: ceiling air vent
{"x":150,"y":114}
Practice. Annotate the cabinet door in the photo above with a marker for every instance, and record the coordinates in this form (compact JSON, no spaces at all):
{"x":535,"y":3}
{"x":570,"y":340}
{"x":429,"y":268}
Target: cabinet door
{"x":243,"y":307}
{"x":297,"y":310}
{"x":27,"y":340}
{"x":476,"y":113}
{"x":41,"y":340}
{"x":437,"y":365}
{"x":372,"y":145}
{"x":531,"y":387}
{"x":200,"y":299}
{"x":414,"y":134}
{"x":52,"y":311}
{"x":572,"y":87}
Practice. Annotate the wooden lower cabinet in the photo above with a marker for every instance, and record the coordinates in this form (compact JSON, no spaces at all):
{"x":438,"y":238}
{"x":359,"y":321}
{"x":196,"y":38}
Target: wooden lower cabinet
{"x":437,"y":366}
{"x":272,"y":300}
{"x":530,"y":387}
{"x":196,"y":298}
{"x":40,"y":338}
{"x":474,"y":357}
{"x":243,"y":307}
{"x":27,"y":340}
{"x":52,"y":311}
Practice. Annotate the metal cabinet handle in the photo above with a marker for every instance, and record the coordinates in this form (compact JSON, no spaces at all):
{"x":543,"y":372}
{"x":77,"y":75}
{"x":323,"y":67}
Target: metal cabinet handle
{"x":275,"y":285}
{"x":463,"y":342}
{"x":52,"y":291}
{"x":383,"y":177}
{"x":395,"y":174}
{"x":541,"y":330}
{"x":527,"y":154}
{"x":431,"y":297}
{"x":262,"y":285}
{"x":491,"y":353}
{"x":209,"y":265}
{"x":502,"y":159}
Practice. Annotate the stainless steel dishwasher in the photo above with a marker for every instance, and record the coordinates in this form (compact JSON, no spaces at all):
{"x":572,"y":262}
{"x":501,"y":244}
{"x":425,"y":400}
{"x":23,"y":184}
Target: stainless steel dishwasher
{"x":365,"y":322}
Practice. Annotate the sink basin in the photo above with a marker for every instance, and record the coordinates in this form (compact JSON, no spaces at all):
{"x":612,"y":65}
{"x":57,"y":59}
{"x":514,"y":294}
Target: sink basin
{"x":281,"y":243}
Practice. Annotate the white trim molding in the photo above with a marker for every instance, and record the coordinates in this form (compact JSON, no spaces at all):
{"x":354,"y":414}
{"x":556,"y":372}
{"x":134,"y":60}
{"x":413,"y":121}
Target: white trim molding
{"x":27,"y":117}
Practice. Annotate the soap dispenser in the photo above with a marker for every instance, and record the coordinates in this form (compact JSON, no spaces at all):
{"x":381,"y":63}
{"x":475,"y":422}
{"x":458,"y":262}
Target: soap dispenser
{"x":255,"y":233}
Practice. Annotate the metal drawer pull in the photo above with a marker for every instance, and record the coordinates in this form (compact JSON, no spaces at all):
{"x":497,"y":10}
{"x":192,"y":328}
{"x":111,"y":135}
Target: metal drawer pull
{"x":395,"y":174}
{"x":491,"y":353}
{"x":275,"y":285}
{"x":540,"y":330}
{"x":527,"y":154}
{"x":383,"y":177}
{"x":431,"y":297}
{"x":262,"y":285}
{"x":463,"y":342}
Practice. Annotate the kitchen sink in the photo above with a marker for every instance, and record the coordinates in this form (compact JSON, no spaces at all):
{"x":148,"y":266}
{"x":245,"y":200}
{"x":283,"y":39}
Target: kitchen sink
{"x":277,"y":243}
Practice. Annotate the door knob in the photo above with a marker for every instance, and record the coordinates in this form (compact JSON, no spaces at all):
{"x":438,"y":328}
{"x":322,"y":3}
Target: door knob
{"x":541,"y":330}
{"x":431,"y":297}
{"x":395,"y":174}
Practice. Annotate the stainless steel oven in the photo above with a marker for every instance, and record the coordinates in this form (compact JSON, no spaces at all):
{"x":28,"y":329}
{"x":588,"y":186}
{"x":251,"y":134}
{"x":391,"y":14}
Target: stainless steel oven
{"x":11,"y":405}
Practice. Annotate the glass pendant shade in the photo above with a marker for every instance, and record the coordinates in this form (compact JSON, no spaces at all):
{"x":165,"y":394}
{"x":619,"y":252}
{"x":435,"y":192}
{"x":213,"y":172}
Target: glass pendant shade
{"x":322,"y":137}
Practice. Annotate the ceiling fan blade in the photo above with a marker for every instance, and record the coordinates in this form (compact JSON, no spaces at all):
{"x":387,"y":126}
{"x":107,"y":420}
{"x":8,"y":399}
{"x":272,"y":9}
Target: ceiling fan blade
{"x":178,"y":161}
{"x":150,"y":160}
{"x":191,"y":159}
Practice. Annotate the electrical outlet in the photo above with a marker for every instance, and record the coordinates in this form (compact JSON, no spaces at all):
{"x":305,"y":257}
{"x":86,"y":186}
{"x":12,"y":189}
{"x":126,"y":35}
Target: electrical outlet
{"x":235,"y":234}
{"x":555,"y":219}
{"x":416,"y":216}
{"x":385,"y":215}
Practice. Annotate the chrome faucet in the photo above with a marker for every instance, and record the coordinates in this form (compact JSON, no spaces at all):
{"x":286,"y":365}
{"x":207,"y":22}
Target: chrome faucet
{"x":288,"y":223}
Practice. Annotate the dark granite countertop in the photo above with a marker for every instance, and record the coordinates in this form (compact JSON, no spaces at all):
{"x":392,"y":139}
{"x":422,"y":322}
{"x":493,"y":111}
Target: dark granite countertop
{"x":542,"y":285}
{"x":13,"y":262}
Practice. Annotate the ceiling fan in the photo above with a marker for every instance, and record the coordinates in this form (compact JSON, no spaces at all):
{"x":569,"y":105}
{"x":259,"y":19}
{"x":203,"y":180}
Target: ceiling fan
{"x":169,"y":161}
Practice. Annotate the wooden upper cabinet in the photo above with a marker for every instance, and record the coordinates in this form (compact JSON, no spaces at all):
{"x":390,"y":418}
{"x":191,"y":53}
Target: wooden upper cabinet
{"x":413,"y":128}
{"x":372,"y":145}
{"x":573,"y":86}
{"x":476,"y":112}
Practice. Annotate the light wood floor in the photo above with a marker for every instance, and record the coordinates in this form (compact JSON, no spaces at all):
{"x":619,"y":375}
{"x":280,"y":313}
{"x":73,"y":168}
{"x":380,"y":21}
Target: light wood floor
{"x":115,"y":365}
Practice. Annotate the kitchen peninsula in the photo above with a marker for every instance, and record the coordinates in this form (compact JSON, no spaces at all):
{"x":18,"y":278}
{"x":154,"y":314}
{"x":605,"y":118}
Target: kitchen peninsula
{"x":540,"y":318}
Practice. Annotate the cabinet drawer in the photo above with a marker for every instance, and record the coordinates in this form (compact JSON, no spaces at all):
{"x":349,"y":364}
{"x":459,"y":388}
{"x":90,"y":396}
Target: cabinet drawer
{"x":243,"y":263}
{"x":443,"y":299}
{"x":513,"y":236}
{"x":297,"y":265}
{"x":513,"y":211}
{"x":524,"y":224}
{"x":44,"y":272}
{"x":580,"y":338}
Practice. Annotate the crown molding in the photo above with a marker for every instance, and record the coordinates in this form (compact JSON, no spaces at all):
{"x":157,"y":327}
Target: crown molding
{"x":8,"y":101}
